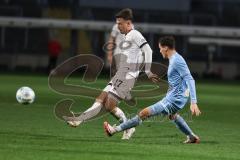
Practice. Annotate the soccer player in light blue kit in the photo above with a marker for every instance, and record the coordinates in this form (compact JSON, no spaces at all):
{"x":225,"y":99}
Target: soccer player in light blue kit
{"x":181,"y":84}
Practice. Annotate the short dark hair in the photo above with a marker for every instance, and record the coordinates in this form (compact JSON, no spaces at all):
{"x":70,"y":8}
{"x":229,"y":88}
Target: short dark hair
{"x":168,"y":41}
{"x":125,"y":13}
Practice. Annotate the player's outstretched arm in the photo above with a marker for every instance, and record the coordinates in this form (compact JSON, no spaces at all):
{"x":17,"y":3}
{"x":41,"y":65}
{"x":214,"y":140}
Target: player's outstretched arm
{"x":186,"y":75}
{"x":192,"y":89}
{"x":146,"y":49}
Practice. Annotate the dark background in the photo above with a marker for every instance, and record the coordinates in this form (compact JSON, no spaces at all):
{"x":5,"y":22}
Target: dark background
{"x":26,"y":48}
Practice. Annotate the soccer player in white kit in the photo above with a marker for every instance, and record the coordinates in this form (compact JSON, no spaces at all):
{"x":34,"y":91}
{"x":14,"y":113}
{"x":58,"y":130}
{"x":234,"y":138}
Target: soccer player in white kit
{"x":121,"y":84}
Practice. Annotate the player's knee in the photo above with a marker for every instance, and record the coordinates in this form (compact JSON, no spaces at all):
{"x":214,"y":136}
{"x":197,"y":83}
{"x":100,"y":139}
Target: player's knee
{"x":173,"y":117}
{"x":107,"y":106}
{"x":102,"y":97}
{"x":110,"y":104}
{"x":145,"y":113}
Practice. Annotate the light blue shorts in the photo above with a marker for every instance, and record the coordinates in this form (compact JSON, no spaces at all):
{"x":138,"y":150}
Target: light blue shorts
{"x":163,"y":107}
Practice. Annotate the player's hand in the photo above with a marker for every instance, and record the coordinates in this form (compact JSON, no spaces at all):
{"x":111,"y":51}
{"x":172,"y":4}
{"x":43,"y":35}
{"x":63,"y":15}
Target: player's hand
{"x":194,"y":109}
{"x":153,"y":77}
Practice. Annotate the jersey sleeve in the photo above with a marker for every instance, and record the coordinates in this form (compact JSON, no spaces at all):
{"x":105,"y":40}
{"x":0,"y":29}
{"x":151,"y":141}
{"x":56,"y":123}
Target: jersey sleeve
{"x":146,"y":49}
{"x":184,"y":72}
{"x":139,"y":39}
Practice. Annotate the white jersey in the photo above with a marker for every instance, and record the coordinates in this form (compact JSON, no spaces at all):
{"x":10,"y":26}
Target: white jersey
{"x":131,"y":48}
{"x":130,"y":61}
{"x":118,"y":39}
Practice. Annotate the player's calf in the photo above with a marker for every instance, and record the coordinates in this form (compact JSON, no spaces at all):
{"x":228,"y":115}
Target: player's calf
{"x":131,"y":123}
{"x":110,"y":104}
{"x":184,"y":128}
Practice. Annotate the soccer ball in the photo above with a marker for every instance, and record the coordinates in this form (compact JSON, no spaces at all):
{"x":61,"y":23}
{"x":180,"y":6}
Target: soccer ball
{"x":25,"y":95}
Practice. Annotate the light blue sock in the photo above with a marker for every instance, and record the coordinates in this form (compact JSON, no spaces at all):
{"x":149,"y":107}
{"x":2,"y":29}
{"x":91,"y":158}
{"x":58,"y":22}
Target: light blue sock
{"x":183,"y":126}
{"x":135,"y":121}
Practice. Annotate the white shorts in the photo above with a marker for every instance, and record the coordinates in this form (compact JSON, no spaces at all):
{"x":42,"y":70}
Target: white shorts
{"x":120,"y":87}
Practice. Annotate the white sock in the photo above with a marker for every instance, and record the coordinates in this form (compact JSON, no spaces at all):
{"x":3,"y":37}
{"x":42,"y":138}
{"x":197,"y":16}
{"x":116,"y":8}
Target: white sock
{"x":91,"y":112}
{"x":119,"y":114}
{"x":94,"y":106}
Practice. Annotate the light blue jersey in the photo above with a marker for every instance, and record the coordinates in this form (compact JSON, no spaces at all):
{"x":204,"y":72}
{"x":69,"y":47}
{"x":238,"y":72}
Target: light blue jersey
{"x":181,"y":83}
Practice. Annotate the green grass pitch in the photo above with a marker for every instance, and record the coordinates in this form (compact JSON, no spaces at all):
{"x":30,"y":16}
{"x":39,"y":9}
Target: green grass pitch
{"x":32,"y":131}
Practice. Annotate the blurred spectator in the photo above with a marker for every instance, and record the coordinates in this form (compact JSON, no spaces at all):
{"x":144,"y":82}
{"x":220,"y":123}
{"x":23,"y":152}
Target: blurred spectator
{"x":54,"y":49}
